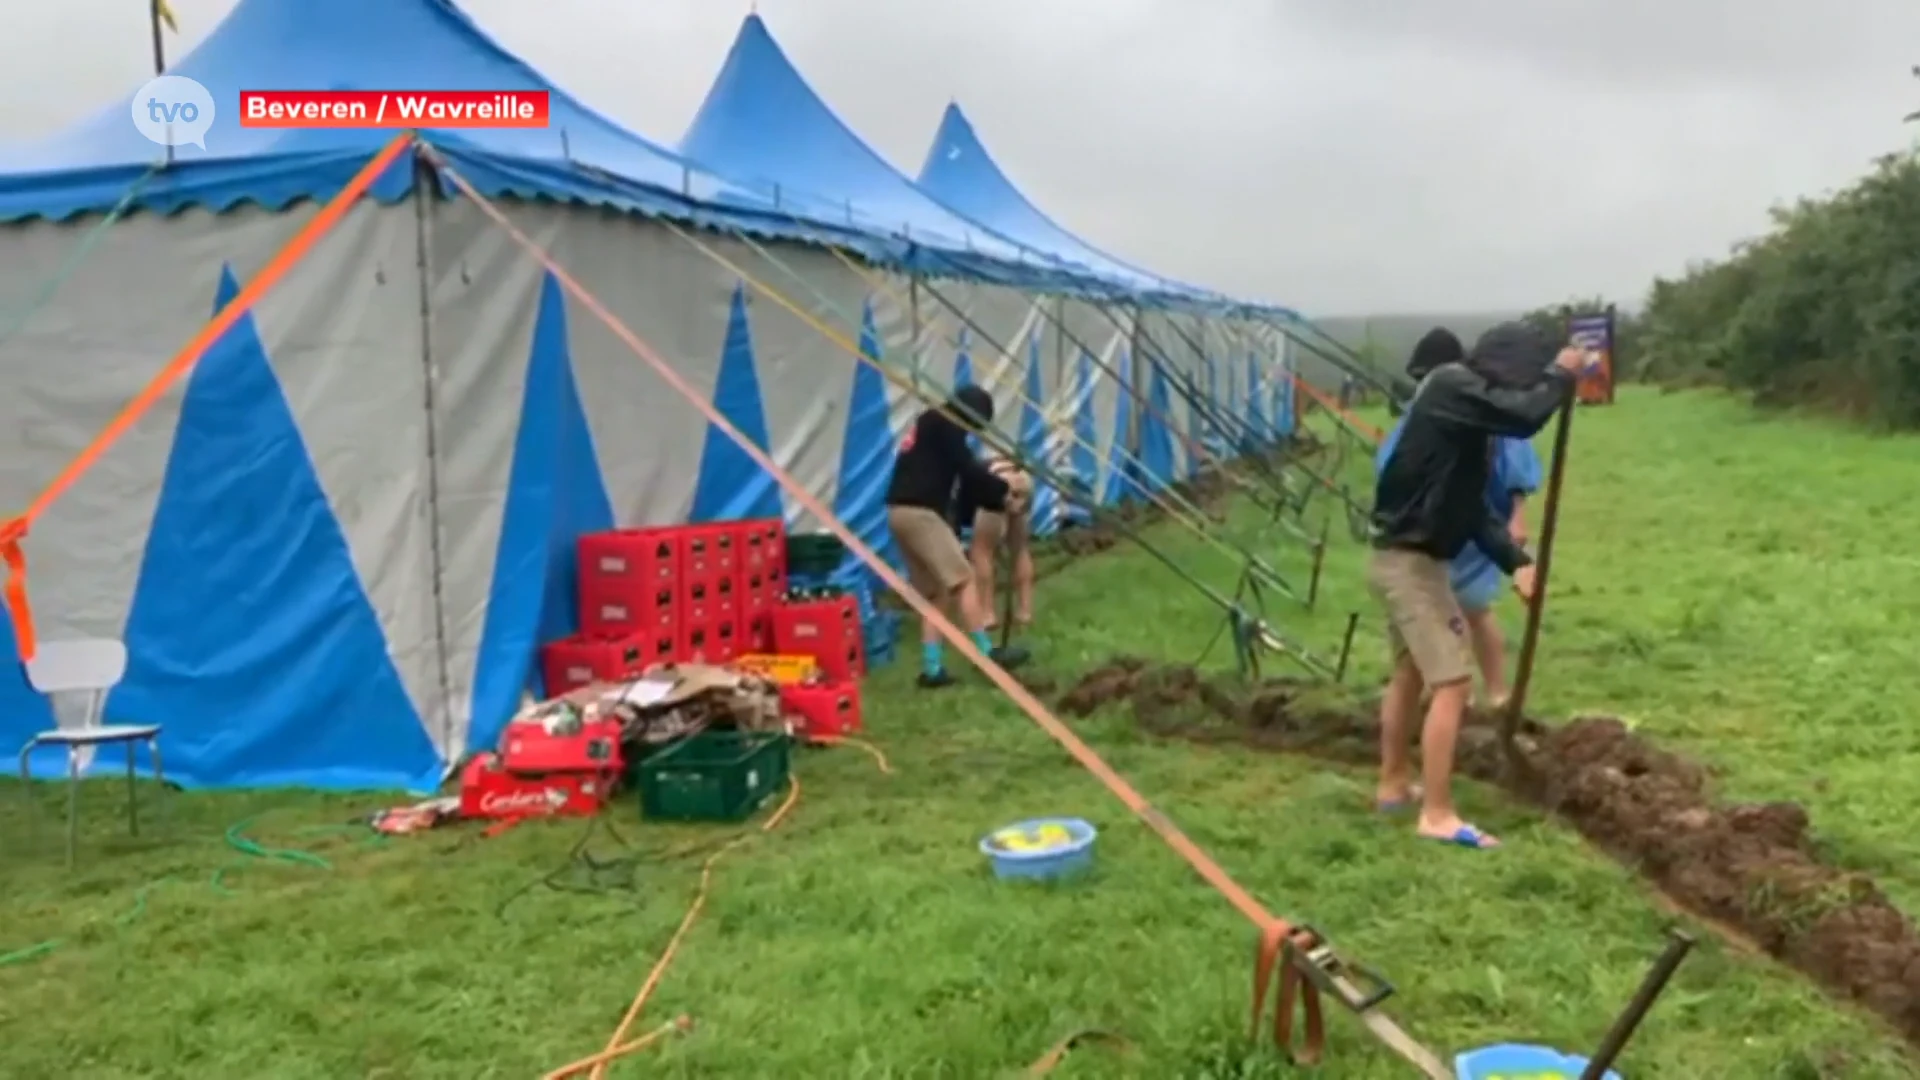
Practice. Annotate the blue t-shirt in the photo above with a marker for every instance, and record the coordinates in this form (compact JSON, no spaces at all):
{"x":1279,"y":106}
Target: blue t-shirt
{"x":1515,"y":470}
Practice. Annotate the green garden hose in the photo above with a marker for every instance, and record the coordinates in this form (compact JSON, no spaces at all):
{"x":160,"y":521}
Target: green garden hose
{"x":237,"y":839}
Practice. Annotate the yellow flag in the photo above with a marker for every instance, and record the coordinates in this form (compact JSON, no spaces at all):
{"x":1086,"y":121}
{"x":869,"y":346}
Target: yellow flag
{"x":164,"y":12}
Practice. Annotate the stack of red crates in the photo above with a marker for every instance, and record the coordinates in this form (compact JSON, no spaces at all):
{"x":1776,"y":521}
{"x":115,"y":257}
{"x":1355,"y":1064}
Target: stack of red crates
{"x":670,"y":594}
{"x":827,"y":629}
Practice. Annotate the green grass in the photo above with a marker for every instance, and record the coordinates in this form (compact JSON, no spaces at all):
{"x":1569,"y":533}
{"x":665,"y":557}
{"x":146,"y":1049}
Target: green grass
{"x":1731,"y":583}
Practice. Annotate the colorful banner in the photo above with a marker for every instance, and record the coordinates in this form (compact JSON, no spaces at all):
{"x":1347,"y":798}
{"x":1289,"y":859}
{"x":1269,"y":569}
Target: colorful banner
{"x":1594,"y":332}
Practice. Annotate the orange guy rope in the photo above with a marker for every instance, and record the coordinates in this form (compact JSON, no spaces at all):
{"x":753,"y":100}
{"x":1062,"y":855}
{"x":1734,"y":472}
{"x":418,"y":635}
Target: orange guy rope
{"x":1274,"y":930}
{"x":12,"y":532}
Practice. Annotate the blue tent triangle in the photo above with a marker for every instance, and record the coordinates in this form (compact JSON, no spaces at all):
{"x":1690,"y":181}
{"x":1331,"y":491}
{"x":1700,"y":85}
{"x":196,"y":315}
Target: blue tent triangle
{"x":1033,"y":440}
{"x":732,"y":486}
{"x":1156,"y":440}
{"x":1216,"y":438}
{"x":1083,"y":463}
{"x":963,"y":376}
{"x":1282,"y":418}
{"x":1121,"y":481}
{"x":23,"y":712}
{"x":962,"y":363}
{"x":554,"y":494}
{"x":1256,"y":409}
{"x":1196,"y":425}
{"x":866,"y":455}
{"x":250,"y":636}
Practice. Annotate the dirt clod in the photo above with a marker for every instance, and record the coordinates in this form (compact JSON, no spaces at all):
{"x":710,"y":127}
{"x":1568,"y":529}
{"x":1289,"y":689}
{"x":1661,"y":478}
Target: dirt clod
{"x":1747,"y":866}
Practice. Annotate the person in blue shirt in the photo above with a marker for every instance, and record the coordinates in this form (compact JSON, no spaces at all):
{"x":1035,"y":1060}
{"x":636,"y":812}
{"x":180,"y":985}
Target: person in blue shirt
{"x":1513,"y":474}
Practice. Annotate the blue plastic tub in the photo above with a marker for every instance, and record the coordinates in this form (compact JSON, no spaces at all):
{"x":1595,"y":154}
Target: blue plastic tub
{"x":1494,"y":1062}
{"x":1040,"y":849}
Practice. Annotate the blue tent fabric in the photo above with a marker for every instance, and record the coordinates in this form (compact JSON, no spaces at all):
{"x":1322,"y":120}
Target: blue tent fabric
{"x":1196,"y":424}
{"x":1282,"y":418}
{"x":1156,"y":439}
{"x":963,"y":361}
{"x":762,"y":122}
{"x":1257,"y":425}
{"x":554,"y":494}
{"x":732,"y":486}
{"x":1083,"y":463}
{"x":1122,"y":478}
{"x":250,"y":637}
{"x":1033,"y":440}
{"x":366,"y":45}
{"x":961,"y":174}
{"x":866,"y":454}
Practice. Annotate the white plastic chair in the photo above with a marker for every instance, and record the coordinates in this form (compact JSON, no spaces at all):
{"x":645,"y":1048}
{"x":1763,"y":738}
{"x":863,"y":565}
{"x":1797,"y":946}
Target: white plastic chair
{"x":90,"y":667}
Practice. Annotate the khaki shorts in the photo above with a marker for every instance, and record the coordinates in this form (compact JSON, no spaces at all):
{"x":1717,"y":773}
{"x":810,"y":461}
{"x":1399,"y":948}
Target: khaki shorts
{"x":992,"y":528}
{"x":1423,"y":617}
{"x":936,"y":563}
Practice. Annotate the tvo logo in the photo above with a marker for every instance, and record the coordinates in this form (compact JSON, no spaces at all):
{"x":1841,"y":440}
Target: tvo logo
{"x":173,"y":110}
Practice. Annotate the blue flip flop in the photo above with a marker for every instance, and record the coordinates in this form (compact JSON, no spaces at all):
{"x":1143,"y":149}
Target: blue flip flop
{"x":1466,"y":836}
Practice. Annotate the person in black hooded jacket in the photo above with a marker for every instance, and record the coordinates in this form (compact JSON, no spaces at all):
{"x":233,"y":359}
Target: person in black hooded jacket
{"x":934,"y":468}
{"x":1429,"y":504}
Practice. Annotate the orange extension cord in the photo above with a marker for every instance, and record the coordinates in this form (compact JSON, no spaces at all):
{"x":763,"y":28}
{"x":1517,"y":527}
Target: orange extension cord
{"x":616,"y":1048}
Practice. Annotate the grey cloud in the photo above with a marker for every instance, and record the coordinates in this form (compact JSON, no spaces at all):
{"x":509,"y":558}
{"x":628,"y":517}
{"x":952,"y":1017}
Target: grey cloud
{"x":1339,"y":155}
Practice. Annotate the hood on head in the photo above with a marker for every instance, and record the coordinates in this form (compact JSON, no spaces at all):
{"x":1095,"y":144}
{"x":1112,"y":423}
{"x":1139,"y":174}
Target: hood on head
{"x":1439,"y":346}
{"x":1511,"y":354}
{"x":973,"y":405}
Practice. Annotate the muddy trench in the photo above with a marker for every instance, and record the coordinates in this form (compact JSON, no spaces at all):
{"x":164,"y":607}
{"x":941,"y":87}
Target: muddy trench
{"x":1746,"y":866}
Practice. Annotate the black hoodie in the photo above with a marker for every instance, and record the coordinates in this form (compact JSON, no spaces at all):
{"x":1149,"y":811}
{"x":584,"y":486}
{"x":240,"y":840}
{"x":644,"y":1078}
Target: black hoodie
{"x":935,"y":461}
{"x":1432,"y":492}
{"x":1438,"y":346}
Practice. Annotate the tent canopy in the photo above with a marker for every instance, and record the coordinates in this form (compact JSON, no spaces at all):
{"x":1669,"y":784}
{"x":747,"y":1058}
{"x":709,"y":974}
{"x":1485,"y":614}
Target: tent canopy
{"x":960,"y":173}
{"x":364,"y":45}
{"x":761,"y":122}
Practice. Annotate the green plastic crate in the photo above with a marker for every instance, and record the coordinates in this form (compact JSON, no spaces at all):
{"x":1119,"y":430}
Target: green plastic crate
{"x":811,"y":554}
{"x":714,"y":776}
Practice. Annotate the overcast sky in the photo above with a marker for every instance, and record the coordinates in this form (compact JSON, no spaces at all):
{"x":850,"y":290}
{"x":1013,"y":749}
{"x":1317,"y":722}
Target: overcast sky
{"x":1342,"y":156}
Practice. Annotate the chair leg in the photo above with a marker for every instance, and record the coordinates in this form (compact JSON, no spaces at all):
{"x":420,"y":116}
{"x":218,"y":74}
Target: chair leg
{"x":73,"y":802}
{"x":133,"y":794}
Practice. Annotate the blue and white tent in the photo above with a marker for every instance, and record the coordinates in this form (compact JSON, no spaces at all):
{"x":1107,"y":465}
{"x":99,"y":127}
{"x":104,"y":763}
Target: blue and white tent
{"x":335,"y":548}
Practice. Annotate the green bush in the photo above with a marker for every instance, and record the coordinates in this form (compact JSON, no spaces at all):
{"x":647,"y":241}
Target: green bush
{"x":1823,"y":311}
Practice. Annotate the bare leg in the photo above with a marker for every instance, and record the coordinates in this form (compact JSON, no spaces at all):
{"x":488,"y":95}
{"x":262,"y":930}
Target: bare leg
{"x":1023,"y":586}
{"x":1438,"y":816}
{"x":985,"y":580}
{"x":973,"y":615}
{"x":1397,"y":707}
{"x":1490,"y":650}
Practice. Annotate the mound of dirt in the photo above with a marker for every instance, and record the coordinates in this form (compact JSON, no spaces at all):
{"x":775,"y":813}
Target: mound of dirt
{"x":1750,"y":867}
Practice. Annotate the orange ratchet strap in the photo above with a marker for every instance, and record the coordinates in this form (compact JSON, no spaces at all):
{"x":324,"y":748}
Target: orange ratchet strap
{"x":15,"y":530}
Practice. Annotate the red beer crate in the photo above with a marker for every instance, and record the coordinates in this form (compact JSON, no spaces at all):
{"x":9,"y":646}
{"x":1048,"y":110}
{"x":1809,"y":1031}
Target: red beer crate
{"x":824,"y":710}
{"x":699,"y":643}
{"x":708,"y":551}
{"x":636,"y":555}
{"x":827,"y":630}
{"x":616,"y":607}
{"x":576,"y":661}
{"x":763,"y":543}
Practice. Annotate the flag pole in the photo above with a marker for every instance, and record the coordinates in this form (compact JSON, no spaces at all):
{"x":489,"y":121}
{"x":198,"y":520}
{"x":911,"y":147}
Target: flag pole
{"x":155,"y":16}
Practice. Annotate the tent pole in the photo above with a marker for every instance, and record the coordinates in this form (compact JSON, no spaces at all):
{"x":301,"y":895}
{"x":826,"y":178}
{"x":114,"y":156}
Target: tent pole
{"x":913,"y":325}
{"x":154,"y":20}
{"x":426,"y":190}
